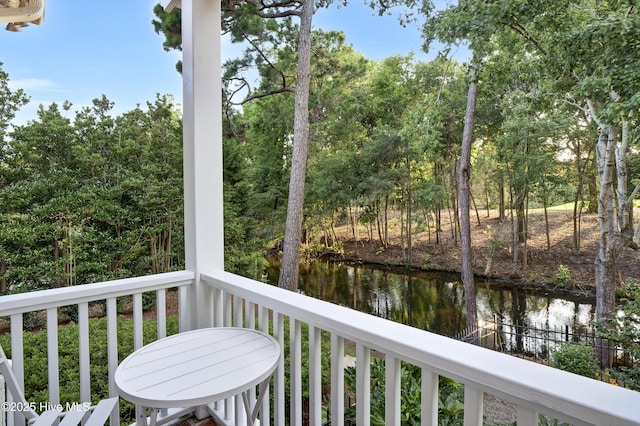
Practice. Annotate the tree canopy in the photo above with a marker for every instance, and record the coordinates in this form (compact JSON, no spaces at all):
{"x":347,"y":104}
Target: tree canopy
{"x":89,"y":196}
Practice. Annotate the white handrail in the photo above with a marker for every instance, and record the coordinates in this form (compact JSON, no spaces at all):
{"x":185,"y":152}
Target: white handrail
{"x":16,"y":305}
{"x":532,"y":387}
{"x":55,"y":298}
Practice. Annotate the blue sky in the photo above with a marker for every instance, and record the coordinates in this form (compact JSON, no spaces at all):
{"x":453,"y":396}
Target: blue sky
{"x":86,"y":49}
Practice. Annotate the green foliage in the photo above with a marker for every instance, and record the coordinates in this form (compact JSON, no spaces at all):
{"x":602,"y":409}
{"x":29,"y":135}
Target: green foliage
{"x":563,"y":276}
{"x":450,"y":398}
{"x":624,"y":329}
{"x":242,"y":255}
{"x":10,"y":103}
{"x":100,"y":197}
{"x":36,"y":369}
{"x":629,"y":377}
{"x":169,"y":24}
{"x":94,"y":199}
{"x":325,"y":350}
{"x":575,"y":358}
{"x":450,"y":402}
{"x":547,"y":421}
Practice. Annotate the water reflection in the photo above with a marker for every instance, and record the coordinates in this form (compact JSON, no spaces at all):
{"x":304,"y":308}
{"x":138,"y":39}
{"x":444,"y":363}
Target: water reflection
{"x":435,"y":301}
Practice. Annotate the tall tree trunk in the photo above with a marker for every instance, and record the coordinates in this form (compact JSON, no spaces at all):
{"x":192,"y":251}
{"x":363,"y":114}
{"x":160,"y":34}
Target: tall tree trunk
{"x":57,"y":280}
{"x":291,"y":247}
{"x":501,"y":201}
{"x":386,"y":220}
{"x":439,"y":204}
{"x":354,"y":231}
{"x":378,"y":222}
{"x":525,"y":247}
{"x":577,"y":201}
{"x":153,"y":251}
{"x":546,"y":225}
{"x":168,"y":246}
{"x":409,"y":226}
{"x":514,"y":234}
{"x":455,"y":203}
{"x":486,"y":197}
{"x":592,"y":183}
{"x":409,"y":202}
{"x":465,"y":221}
{"x":333,"y":228}
{"x":404,"y":254}
{"x":616,"y":226}
{"x":576,"y":231}
{"x":520,"y":211}
{"x":475,"y":207}
{"x":438,"y":215}
{"x":453,"y":224}
{"x":605,"y":262}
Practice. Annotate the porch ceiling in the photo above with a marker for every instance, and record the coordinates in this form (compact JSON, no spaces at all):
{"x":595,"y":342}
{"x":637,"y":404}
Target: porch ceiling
{"x":19,"y":13}
{"x":170,"y":4}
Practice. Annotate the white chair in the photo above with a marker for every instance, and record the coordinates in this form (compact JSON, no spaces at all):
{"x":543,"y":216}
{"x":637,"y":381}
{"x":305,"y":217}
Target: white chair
{"x":96,"y":415}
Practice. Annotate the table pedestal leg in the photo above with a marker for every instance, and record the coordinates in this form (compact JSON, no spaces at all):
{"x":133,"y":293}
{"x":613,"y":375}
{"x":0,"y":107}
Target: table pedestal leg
{"x":141,"y":416}
{"x":153,"y":416}
{"x":201,"y":412}
{"x":252,"y":412}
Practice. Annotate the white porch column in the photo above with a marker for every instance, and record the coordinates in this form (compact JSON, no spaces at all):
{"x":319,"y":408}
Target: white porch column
{"x":202,"y":120}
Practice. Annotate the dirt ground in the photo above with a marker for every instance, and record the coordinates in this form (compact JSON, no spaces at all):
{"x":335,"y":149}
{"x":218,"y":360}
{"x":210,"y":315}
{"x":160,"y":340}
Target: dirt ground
{"x":492,"y":250}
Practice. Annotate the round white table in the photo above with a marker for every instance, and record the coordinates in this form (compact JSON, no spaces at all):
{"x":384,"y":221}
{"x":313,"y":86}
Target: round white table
{"x":197,"y":368}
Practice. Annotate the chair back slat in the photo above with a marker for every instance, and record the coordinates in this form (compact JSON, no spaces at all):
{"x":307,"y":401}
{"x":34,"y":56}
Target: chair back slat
{"x":48,"y":418}
{"x":98,"y":415}
{"x":73,"y":418}
{"x":12,"y":385}
{"x":101,"y":412}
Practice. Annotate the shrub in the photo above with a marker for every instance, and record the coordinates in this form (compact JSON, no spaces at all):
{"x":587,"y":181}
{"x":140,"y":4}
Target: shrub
{"x":628,"y":377}
{"x":624,"y":327}
{"x":575,"y":358}
{"x":563,"y":276}
{"x":450,"y":398}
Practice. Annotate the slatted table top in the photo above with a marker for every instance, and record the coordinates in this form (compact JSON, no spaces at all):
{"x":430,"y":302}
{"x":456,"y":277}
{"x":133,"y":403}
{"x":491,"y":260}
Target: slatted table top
{"x":197,"y":367}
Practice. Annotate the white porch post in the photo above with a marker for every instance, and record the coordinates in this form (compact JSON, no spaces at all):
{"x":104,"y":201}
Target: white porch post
{"x":202,"y":120}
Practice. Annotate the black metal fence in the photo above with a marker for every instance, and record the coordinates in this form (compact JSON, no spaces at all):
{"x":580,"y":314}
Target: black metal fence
{"x":535,"y":343}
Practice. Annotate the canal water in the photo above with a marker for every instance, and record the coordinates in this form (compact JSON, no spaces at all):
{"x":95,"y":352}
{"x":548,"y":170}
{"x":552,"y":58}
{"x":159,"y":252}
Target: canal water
{"x":435,"y":301}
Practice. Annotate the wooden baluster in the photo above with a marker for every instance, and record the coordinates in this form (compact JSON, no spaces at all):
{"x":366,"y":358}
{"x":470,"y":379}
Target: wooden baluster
{"x":85,"y":354}
{"x":52,"y":355}
{"x":392,"y":390}
{"x":337,"y":380}
{"x":429,"y":397}
{"x":363,"y":385}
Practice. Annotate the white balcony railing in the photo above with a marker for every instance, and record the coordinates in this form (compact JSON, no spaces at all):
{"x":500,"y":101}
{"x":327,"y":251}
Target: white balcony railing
{"x":242,"y":302}
{"x":16,"y":306}
{"x":532,"y":387}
